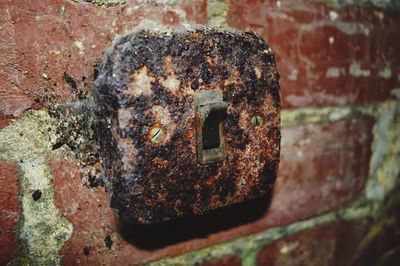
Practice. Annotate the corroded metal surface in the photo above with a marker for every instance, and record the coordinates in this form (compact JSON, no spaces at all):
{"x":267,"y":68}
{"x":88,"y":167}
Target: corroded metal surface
{"x":146,"y":121}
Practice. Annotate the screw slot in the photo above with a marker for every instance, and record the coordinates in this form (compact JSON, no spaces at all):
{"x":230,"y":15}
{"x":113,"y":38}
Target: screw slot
{"x":156,"y":134}
{"x":256,"y":121}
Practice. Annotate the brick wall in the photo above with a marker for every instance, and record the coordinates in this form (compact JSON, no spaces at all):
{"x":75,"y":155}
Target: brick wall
{"x":335,"y":200}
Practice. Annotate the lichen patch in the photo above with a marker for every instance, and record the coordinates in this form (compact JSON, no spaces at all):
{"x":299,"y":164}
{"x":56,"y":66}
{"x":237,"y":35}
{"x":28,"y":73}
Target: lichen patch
{"x":42,"y":228}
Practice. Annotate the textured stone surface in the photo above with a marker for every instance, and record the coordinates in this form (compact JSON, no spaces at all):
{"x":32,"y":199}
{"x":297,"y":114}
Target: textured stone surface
{"x":326,"y":56}
{"x":322,"y":167}
{"x":334,"y":244}
{"x":381,"y":245}
{"x":87,"y":209}
{"x":26,"y":142}
{"x":321,"y":184}
{"x":360,"y":242}
{"x":49,"y":47}
{"x":9,"y":211}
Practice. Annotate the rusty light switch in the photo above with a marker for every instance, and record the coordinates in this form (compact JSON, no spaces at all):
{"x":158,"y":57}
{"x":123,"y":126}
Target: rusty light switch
{"x":188,"y":121}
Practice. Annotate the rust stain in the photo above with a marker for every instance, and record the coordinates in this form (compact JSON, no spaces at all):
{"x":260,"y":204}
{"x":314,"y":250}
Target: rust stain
{"x":148,"y":79}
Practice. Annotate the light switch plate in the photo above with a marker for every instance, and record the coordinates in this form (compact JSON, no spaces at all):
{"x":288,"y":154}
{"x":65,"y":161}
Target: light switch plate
{"x":146,"y":93}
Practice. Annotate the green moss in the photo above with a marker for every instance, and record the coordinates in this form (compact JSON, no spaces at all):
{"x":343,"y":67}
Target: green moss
{"x":384,"y":166}
{"x":249,"y":257}
{"x":247,"y":247}
{"x":326,"y":114}
{"x":217,"y":12}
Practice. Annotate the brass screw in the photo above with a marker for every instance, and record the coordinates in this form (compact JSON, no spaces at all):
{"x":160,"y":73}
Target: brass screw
{"x":156,"y":134}
{"x":256,"y":121}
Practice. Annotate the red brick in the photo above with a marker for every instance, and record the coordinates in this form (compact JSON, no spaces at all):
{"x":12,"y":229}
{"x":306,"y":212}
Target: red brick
{"x":323,"y":167}
{"x":224,"y":261}
{"x":344,"y":243}
{"x":87,"y":209}
{"x":93,"y":220}
{"x":313,"y":70}
{"x":333,"y":244}
{"x":171,"y":18}
{"x":9,"y":211}
{"x":42,"y":40}
{"x":5,"y":120}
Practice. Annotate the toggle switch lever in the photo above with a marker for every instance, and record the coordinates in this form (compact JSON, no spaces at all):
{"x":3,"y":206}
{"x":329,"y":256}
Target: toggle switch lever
{"x":210,"y":113}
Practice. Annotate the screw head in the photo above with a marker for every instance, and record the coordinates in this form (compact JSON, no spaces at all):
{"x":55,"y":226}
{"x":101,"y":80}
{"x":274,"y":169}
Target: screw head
{"x":256,"y":121}
{"x":156,"y":134}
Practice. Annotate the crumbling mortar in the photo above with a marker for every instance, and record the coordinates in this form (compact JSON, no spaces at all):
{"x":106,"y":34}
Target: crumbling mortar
{"x":385,"y":161}
{"x":217,"y":12}
{"x":246,"y":246}
{"x":41,"y":229}
{"x":327,"y":114}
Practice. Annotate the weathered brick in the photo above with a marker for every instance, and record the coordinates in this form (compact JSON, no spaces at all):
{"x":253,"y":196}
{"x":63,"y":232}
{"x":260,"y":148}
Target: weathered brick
{"x":326,"y":56}
{"x":9,"y":211}
{"x":4,"y":120}
{"x":87,"y":209}
{"x":323,"y":167}
{"x":97,"y":236}
{"x":334,"y":244}
{"x":49,"y":47}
